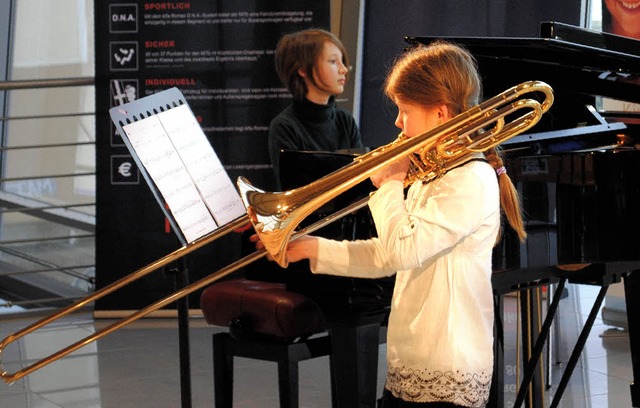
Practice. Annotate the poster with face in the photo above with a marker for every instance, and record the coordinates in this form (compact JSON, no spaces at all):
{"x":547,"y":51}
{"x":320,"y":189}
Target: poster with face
{"x":621,"y":17}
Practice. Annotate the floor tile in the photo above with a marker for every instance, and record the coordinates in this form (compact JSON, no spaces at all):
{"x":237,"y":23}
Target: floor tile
{"x":139,"y":365}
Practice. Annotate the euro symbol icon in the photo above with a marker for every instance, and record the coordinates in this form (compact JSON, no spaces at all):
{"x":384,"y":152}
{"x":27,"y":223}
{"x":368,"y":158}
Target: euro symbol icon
{"x":125,"y":169}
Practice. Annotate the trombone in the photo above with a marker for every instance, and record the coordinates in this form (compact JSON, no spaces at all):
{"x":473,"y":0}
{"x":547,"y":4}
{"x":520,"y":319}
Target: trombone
{"x":275,"y":216}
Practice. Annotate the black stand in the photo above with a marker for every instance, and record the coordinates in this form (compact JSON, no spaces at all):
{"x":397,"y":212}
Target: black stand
{"x":181,"y":281}
{"x":287,"y":354}
{"x":577,"y":350}
{"x":533,"y":359}
{"x":632,"y":289}
{"x":602,"y":275}
{"x":354,"y":362}
{"x":158,"y":133}
{"x":496,"y":392}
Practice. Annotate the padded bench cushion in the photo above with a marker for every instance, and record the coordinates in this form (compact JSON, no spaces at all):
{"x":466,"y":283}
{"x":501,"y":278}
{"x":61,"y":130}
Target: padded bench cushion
{"x":267,"y":307}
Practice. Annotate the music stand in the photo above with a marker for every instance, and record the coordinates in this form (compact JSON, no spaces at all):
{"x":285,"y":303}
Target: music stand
{"x":187,"y":179}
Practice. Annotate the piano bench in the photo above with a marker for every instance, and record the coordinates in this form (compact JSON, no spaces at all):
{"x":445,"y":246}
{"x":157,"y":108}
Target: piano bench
{"x":266,"y":322}
{"x":286,"y":354}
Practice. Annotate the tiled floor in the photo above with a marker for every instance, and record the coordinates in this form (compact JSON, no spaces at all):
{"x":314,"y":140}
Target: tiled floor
{"x":138,"y":366}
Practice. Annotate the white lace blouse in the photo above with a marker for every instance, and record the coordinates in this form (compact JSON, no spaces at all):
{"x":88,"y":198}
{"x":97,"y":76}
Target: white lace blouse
{"x":438,"y":242}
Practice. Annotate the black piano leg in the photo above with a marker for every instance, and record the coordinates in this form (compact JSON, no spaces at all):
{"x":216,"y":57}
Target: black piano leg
{"x":530,"y":307}
{"x":354,"y":354}
{"x":631,"y":292}
{"x":577,"y":350}
{"x":534,"y":359}
{"x":496,"y":393}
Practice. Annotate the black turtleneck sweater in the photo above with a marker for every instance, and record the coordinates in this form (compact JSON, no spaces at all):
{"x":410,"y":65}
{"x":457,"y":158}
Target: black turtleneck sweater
{"x":305,"y":125}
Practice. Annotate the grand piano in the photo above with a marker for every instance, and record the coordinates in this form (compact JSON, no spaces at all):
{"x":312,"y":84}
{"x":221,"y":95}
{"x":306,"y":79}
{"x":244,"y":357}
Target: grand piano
{"x":578,"y":175}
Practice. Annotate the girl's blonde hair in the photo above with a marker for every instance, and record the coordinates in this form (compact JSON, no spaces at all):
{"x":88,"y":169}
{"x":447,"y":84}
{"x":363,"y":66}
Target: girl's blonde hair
{"x":446,"y":73}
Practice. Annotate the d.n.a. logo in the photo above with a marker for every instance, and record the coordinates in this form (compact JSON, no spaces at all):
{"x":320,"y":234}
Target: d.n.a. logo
{"x":123,"y":18}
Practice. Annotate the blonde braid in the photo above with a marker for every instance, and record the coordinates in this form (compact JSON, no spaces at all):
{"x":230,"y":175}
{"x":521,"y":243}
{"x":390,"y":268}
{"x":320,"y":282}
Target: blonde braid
{"x":509,"y":198}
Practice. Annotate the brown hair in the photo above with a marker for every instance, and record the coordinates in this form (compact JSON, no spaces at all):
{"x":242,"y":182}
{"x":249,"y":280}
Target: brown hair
{"x":445,"y":73}
{"x":301,"y":51}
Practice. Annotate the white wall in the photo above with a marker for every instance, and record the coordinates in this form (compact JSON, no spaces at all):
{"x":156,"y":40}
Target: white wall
{"x":52,"y":39}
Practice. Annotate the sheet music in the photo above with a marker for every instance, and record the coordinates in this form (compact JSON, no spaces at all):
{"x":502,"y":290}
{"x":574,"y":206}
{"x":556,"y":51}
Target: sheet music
{"x":179,"y":164}
{"x":166,"y":168}
{"x":204,"y":166}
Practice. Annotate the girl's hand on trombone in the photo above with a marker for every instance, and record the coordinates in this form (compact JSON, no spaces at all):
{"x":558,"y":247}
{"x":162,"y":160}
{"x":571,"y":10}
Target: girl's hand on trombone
{"x":396,"y":170}
{"x":305,"y":247}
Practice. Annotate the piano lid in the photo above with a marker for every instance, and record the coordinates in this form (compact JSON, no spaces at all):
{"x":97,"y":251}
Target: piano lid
{"x":579,"y":64}
{"x":584,"y":60}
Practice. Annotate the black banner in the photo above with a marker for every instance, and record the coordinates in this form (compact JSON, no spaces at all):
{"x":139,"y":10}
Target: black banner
{"x":220,"y":55}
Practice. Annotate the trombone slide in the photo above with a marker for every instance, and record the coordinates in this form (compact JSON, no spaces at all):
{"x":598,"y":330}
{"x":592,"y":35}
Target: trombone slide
{"x":276,"y":216}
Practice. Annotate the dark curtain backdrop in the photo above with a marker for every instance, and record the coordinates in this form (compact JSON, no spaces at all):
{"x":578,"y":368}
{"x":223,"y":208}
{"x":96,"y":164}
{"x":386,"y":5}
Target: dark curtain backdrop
{"x":387,"y":23}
